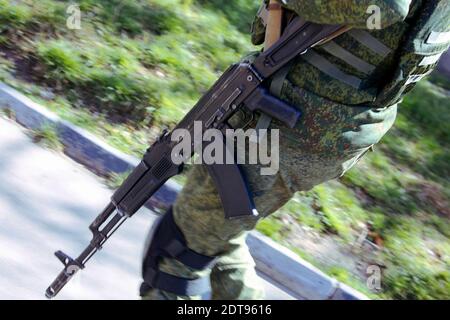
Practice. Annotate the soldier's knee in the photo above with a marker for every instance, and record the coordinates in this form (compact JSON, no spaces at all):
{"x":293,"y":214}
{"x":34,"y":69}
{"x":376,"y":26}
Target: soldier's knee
{"x":168,"y":242}
{"x":236,"y":283}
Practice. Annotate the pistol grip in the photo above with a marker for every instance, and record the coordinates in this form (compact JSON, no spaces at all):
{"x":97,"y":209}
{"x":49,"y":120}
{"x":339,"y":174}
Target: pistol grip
{"x":261,"y":100}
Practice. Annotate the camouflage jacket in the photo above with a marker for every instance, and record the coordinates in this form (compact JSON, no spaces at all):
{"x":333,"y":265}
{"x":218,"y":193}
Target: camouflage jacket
{"x":370,"y":63}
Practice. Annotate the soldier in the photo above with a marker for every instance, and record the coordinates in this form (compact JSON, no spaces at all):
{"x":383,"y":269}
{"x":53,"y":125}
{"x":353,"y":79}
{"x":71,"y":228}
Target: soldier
{"x":348,"y":91}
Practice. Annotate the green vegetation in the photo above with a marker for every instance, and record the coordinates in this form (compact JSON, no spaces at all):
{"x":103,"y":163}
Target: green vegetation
{"x":47,"y":136}
{"x":402,"y":190}
{"x":271,"y":227}
{"x":7,"y":113}
{"x":115,"y":180}
{"x":140,"y":62}
{"x":137,"y":66}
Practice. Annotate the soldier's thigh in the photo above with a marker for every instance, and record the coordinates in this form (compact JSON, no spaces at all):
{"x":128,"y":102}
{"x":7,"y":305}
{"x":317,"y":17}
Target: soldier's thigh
{"x":328,"y":140}
{"x":199,"y":213}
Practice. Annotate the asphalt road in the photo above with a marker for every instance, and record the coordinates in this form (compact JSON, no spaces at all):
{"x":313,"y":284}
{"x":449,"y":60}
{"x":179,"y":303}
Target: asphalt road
{"x":47,"y":202}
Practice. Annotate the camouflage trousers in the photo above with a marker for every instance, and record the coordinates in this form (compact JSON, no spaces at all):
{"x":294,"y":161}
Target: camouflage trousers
{"x":328,"y":140}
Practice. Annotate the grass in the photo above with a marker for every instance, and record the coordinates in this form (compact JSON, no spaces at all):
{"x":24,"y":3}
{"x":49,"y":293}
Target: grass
{"x":6,"y":68}
{"x":7,"y":113}
{"x":137,"y":66}
{"x":141,"y":62}
{"x":47,"y":136}
{"x":271,"y":227}
{"x":402,"y":191}
{"x":114,"y":181}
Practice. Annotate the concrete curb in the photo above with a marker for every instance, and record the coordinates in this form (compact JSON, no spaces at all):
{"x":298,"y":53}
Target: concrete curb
{"x":300,"y":278}
{"x":79,"y":144}
{"x":284,"y":267}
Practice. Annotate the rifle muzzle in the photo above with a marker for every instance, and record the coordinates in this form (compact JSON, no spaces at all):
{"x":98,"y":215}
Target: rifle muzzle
{"x":70,"y":268}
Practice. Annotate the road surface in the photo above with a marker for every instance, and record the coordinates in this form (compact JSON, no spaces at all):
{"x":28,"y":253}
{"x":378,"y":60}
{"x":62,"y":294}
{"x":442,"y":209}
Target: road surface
{"x":47,"y":202}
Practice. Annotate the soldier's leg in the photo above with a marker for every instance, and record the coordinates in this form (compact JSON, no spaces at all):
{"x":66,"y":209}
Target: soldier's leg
{"x":329,"y":139}
{"x":198,"y":213}
{"x":327,"y":142}
{"x":234,"y":276}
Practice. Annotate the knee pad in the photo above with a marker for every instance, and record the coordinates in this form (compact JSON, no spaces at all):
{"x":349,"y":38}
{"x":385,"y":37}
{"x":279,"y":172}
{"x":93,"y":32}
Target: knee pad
{"x":166,"y":240}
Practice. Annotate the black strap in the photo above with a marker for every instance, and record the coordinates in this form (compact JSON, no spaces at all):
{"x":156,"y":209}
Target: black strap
{"x":339,"y":52}
{"x":369,"y":41}
{"x":330,"y":69}
{"x":168,"y":241}
{"x":171,"y":244}
{"x":276,"y":86}
{"x":176,"y":285}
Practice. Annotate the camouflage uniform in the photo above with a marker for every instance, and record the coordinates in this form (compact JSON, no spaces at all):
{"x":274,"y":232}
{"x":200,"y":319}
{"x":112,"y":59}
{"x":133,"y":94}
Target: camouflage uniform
{"x":339,"y":124}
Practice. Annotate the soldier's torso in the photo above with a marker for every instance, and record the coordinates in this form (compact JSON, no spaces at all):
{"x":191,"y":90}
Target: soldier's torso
{"x":356,"y":67}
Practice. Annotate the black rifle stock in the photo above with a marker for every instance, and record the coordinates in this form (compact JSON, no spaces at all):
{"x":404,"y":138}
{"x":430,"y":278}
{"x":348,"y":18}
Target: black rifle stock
{"x":240,"y":86}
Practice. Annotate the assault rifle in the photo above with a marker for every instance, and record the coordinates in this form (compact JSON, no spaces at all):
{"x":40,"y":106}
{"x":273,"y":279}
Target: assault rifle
{"x":241,"y":86}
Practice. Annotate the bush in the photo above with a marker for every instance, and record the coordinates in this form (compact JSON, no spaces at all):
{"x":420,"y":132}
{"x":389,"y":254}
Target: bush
{"x":61,"y":60}
{"x":6,"y":68}
{"x":13,"y":16}
{"x":48,"y":137}
{"x":133,"y":16}
{"x":270,"y":227}
{"x":407,"y":282}
{"x":435,"y":117}
{"x":239,"y":12}
{"x":49,"y":15}
{"x":121,"y":94}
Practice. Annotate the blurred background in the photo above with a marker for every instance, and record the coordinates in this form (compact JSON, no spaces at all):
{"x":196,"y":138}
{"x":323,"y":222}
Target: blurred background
{"x":133,"y":67}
